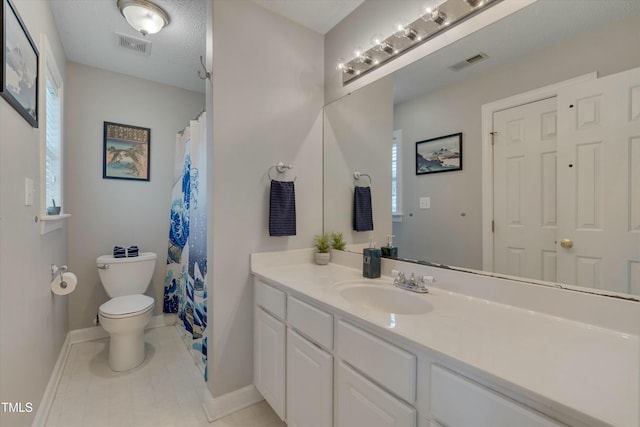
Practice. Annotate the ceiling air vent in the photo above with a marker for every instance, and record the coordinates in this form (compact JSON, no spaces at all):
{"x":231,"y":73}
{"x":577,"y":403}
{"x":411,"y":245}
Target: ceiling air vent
{"x":143,"y":47}
{"x":469,"y":61}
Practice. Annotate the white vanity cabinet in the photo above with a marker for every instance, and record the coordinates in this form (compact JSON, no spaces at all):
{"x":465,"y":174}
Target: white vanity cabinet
{"x":309,"y":365}
{"x":322,"y":368}
{"x":457,"y":402}
{"x":269,"y":346}
{"x":309,"y":383}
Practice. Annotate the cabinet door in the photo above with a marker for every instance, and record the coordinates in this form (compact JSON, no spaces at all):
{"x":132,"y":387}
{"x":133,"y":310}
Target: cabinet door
{"x":309,"y":383}
{"x":361,"y":403}
{"x":269,"y":348}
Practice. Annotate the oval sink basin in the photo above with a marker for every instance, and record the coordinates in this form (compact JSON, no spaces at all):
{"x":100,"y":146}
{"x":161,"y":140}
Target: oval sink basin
{"x":385,"y":298}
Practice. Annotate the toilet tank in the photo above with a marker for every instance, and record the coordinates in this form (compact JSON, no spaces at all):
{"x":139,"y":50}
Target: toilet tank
{"x":126,"y":276}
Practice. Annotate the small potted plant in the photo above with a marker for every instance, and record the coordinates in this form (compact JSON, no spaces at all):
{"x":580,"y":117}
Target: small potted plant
{"x":53,"y":209}
{"x":337,"y":241}
{"x":322,"y":249}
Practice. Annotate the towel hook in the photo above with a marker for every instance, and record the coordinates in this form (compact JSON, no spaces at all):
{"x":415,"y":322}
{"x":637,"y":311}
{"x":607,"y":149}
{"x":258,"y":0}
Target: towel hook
{"x":207,"y":73}
{"x":357,"y":175}
{"x":280,"y":168}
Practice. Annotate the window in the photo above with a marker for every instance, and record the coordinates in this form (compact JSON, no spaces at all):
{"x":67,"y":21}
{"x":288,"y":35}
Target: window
{"x":51,"y":127}
{"x":396,"y":176}
{"x":53,"y":144}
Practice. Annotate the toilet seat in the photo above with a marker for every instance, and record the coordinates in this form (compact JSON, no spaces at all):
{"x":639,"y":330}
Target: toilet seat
{"x":126,"y":306}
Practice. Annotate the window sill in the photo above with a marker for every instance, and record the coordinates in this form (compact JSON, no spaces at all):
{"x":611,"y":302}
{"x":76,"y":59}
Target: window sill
{"x":397,"y":217}
{"x":54,"y":217}
{"x":49,"y":223}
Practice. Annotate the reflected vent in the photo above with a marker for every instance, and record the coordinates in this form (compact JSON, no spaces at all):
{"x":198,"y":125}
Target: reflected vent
{"x":469,"y":61}
{"x":143,"y":47}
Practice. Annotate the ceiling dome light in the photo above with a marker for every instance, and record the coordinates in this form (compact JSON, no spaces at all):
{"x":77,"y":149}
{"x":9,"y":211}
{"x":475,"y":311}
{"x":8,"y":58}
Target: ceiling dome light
{"x":143,"y":16}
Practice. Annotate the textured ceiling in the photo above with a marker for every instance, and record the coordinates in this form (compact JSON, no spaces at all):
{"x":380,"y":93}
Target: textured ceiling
{"x":86,"y":28}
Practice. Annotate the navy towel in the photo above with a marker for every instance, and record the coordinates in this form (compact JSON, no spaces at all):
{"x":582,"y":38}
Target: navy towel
{"x":121,"y":252}
{"x":362,"y":212}
{"x":282,"y":209}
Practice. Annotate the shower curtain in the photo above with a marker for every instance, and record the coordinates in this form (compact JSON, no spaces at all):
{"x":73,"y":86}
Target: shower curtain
{"x":185,"y":290}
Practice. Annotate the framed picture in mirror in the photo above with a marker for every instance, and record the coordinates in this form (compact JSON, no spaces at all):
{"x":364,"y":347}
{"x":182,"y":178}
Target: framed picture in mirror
{"x":442,"y":154}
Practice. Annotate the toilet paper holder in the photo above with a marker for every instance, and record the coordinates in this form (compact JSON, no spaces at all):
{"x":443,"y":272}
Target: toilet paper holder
{"x":59,"y":270}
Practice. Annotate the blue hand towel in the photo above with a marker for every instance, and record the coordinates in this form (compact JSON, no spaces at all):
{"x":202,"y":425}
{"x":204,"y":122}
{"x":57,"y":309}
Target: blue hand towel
{"x":282,"y":209}
{"x":132,"y":251}
{"x":362,"y":211}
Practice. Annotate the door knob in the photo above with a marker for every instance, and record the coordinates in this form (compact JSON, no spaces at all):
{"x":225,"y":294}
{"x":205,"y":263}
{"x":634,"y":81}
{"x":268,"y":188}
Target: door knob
{"x":566,"y":243}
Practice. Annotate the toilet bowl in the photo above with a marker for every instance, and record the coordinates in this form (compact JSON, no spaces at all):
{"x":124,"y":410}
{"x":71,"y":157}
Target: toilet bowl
{"x":125,"y":318}
{"x":128,"y":311}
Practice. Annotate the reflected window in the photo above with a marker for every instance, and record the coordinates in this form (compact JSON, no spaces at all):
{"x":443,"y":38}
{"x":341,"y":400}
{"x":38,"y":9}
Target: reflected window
{"x":396,"y":176}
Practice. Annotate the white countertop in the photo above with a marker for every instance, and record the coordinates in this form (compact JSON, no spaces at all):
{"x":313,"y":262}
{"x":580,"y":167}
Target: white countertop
{"x":583,"y":368}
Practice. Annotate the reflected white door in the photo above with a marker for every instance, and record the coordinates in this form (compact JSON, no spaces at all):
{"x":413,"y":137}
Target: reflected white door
{"x":525,"y":188}
{"x":599,"y":177}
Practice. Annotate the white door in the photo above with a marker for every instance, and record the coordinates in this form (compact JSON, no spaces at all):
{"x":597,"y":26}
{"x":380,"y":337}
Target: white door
{"x":269,"y":359}
{"x":309,"y":383}
{"x":599,"y":173}
{"x":524,"y":151}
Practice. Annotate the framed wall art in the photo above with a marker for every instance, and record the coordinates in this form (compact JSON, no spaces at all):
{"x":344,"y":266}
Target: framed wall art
{"x":19,"y":71}
{"x":442,"y":154}
{"x":126,"y":152}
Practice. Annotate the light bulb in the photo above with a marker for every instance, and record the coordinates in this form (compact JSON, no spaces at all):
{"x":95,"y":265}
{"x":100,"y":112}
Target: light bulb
{"x":379,"y":42}
{"x":399,"y":28}
{"x":438,"y":16}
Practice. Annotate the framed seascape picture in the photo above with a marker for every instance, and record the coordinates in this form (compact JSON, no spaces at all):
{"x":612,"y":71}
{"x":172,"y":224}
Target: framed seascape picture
{"x":19,"y":71}
{"x":443,"y":154}
{"x":126,"y":152}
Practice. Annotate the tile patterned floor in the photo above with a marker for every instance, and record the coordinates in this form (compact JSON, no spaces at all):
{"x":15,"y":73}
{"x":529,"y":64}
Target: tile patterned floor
{"x":165,"y":391}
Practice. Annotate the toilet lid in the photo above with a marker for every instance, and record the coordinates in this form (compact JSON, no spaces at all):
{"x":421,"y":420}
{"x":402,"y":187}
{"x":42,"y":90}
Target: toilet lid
{"x":127,"y":304}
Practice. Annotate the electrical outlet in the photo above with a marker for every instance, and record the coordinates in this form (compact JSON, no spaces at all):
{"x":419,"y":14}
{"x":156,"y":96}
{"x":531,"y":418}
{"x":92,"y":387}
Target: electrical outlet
{"x":425,"y":202}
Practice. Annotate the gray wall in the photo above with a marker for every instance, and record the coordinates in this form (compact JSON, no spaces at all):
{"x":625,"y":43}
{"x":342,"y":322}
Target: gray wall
{"x":441,"y":234}
{"x":267,"y":103}
{"x":357,"y":137}
{"x":108,"y":212}
{"x":33,"y":322}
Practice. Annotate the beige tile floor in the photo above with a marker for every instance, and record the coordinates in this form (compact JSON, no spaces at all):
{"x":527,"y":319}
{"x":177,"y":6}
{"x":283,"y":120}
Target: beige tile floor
{"x":166,"y":390}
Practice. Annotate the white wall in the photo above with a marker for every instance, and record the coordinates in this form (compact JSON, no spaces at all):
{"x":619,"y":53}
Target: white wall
{"x":33,"y":322}
{"x":441,"y":234}
{"x":267,"y":104}
{"x":357,"y":137}
{"x":109,"y":212}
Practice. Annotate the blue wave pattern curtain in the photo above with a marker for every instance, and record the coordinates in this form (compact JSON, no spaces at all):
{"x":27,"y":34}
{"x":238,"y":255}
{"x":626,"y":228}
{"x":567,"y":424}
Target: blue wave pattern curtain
{"x":185,"y":290}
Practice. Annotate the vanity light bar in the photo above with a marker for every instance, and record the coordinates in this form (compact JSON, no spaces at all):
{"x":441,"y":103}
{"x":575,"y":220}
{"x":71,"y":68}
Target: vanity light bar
{"x":431,"y":22}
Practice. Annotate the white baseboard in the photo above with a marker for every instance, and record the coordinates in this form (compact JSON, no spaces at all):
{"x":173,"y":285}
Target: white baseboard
{"x":74,"y":337}
{"x":98,"y":332}
{"x":50,"y":392}
{"x":216,"y":408}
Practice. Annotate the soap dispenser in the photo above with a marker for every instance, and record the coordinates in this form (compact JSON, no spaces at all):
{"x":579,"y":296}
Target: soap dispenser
{"x":389,"y":251}
{"x":371,"y":261}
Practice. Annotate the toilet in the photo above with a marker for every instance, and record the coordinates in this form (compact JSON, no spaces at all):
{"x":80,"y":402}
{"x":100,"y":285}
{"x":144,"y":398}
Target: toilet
{"x":128,"y":311}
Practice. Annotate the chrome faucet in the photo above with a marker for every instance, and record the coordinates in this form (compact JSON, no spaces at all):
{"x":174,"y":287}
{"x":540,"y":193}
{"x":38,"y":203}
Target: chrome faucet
{"x":413,"y":283}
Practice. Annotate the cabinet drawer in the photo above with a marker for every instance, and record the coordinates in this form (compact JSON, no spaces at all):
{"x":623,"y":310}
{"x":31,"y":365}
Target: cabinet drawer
{"x":390,"y":366}
{"x":311,"y":321}
{"x":270,"y":298}
{"x":359,"y":403}
{"x":457,"y":401}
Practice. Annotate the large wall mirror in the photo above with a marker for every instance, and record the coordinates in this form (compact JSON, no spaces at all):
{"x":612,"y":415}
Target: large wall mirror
{"x":438,"y":217}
